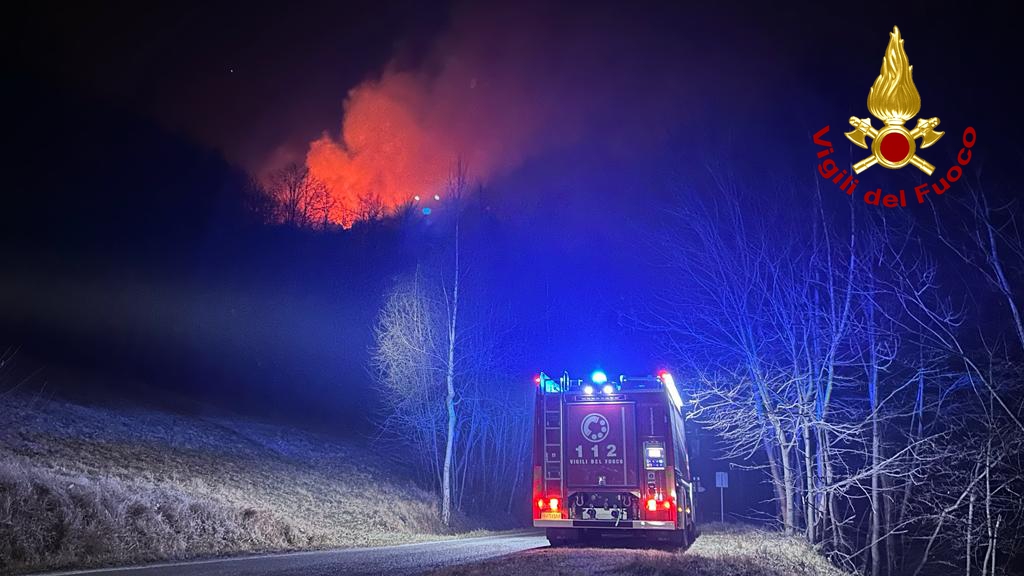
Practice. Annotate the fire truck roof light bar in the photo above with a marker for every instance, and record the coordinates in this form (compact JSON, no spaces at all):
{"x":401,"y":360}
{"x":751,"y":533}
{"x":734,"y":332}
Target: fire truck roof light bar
{"x":664,"y":380}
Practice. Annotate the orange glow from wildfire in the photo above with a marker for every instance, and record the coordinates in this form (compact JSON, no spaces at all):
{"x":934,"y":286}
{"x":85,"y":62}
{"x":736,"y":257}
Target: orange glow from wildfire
{"x":386,"y":152}
{"x":493,"y":92}
{"x":403,"y":132}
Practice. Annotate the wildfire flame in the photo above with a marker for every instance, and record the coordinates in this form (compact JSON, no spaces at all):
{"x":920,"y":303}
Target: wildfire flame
{"x":893,"y":98}
{"x":402,"y":133}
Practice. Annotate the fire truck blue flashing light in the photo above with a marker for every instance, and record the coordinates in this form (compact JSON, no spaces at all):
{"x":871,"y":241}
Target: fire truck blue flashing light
{"x":588,"y":389}
{"x":599,"y":377}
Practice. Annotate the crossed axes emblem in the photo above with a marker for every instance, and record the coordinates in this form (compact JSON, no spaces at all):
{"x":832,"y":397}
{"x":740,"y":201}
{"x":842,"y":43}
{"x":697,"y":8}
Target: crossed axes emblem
{"x":893,"y":146}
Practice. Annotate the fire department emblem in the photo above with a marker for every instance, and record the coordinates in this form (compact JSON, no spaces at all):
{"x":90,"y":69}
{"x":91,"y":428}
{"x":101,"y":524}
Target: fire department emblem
{"x":894,"y":100}
{"x":594,"y":427}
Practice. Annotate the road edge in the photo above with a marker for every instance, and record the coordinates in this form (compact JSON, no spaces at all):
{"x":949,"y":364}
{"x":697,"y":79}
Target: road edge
{"x":512,"y":533}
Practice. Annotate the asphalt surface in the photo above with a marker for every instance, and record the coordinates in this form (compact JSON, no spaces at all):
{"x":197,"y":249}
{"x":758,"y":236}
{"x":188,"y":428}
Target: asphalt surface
{"x":398,"y":560}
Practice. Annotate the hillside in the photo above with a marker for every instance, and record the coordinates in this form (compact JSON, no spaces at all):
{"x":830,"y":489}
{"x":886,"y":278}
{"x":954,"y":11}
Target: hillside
{"x":91,"y":486}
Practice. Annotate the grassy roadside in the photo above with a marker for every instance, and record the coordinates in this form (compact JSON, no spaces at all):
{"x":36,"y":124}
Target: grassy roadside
{"x":721,"y":550}
{"x":85,"y":487}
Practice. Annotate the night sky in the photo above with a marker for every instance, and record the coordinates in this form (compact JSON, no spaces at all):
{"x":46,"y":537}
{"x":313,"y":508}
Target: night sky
{"x":131,"y":121}
{"x":257,"y":83}
{"x":250,"y":80}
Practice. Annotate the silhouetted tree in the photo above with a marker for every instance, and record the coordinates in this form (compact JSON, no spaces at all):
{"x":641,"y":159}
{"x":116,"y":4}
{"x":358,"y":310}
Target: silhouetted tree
{"x":441,"y":356}
{"x":321,"y":203}
{"x":302,"y":199}
{"x":886,"y":414}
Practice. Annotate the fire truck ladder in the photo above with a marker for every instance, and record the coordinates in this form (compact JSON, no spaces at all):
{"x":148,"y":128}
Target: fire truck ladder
{"x":553,"y":444}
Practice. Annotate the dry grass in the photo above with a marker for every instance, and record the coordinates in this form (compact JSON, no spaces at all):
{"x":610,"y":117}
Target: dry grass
{"x":83,"y":486}
{"x":721,"y":550}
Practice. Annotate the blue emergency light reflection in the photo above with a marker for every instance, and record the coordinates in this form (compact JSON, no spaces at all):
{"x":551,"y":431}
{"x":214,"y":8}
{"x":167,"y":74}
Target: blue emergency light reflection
{"x":598,"y":377}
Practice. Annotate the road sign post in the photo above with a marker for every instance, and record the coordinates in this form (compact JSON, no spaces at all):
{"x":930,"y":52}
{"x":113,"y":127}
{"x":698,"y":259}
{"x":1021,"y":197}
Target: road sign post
{"x":722,"y":482}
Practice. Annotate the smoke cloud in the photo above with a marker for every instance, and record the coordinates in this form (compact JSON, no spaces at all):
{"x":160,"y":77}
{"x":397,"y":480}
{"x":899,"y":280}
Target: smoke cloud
{"x":496,"y":89}
{"x":402,"y":133}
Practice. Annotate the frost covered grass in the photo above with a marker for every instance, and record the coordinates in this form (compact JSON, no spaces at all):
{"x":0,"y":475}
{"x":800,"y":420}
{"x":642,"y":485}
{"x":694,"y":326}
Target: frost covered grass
{"x":721,"y":550}
{"x":85,"y":486}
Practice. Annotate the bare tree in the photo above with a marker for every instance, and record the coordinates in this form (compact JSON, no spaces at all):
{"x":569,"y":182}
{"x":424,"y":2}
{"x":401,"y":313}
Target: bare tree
{"x":731,"y":314}
{"x":883,"y":413}
{"x":409,"y":363}
{"x":455,"y":185}
{"x":370,"y":208}
{"x":321,"y":204}
{"x":302,"y":200}
{"x":259,"y":202}
{"x":451,"y":318}
{"x":419,"y":345}
{"x":988,"y":236}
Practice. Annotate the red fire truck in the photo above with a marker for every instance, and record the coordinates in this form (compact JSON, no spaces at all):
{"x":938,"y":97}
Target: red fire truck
{"x":610,"y":460}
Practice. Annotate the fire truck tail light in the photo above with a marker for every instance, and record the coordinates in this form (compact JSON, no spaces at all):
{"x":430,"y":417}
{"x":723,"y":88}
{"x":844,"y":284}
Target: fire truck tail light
{"x":553,"y":504}
{"x":652,"y":504}
{"x":668,"y":505}
{"x":540,"y":503}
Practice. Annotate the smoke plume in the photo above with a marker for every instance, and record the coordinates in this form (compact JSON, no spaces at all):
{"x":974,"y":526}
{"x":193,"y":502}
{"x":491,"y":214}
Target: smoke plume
{"x":497,"y":88}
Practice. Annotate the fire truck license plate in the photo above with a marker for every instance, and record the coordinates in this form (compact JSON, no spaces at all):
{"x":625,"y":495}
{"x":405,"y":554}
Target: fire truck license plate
{"x":550,"y":515}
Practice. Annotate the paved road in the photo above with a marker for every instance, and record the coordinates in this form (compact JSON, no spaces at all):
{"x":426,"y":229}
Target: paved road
{"x":398,"y":560}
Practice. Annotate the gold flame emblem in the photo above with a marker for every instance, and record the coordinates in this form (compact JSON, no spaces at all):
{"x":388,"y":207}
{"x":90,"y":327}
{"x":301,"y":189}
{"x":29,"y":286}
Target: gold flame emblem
{"x":894,"y":100}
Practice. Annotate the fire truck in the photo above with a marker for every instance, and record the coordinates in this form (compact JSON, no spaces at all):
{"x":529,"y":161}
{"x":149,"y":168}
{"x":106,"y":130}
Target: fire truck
{"x":610,"y":460}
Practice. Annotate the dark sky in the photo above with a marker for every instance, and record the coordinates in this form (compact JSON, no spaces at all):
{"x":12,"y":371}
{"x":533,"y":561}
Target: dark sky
{"x":244,"y":77}
{"x":581,"y":119}
{"x":256,"y":80}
